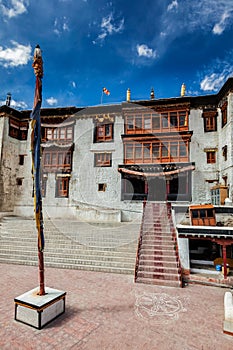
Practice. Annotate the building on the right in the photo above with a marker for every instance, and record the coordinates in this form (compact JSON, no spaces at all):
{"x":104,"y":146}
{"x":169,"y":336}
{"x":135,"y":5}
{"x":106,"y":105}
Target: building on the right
{"x":211,"y":121}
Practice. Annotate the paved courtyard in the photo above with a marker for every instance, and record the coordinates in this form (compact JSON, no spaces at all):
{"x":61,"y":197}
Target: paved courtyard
{"x":109,"y":311}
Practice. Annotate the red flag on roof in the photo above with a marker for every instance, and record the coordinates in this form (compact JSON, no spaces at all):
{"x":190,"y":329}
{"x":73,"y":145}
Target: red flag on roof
{"x":106,"y":91}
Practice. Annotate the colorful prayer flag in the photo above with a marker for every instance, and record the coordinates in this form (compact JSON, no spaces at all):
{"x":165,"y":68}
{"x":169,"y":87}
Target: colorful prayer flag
{"x":106,"y":91}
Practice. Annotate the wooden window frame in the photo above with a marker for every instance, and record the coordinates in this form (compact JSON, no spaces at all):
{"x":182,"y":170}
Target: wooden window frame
{"x":224,"y":114}
{"x":211,"y":157}
{"x":51,"y":160}
{"x":159,"y":151}
{"x":210,"y":121}
{"x":61,"y":133}
{"x":62,"y":187}
{"x":107,"y":134}
{"x":103,"y":159}
{"x":144,"y":122}
{"x":18,"y":130}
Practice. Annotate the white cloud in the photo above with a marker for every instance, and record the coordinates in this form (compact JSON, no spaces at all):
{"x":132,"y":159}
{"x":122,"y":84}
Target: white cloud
{"x":14,"y":8}
{"x":61,"y":25}
{"x":190,"y":16}
{"x":216,"y":73}
{"x":15,"y":104}
{"x":172,"y":5}
{"x":14,"y":56}
{"x":18,"y":104}
{"x":109,"y":26}
{"x":51,"y":101}
{"x":145,"y":51}
{"x":221,"y":25}
{"x":212,"y":82}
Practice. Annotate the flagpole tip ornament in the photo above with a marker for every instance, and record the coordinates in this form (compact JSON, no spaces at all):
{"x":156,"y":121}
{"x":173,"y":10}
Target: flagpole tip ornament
{"x":38,"y":62}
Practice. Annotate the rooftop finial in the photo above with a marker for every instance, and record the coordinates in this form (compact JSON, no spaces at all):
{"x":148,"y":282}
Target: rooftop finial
{"x":8,"y":99}
{"x":183,"y":89}
{"x":128,"y":95}
{"x":152,"y":94}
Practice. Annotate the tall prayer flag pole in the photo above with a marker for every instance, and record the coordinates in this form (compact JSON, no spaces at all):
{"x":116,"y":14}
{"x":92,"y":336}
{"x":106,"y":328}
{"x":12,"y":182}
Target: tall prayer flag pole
{"x":36,"y":157}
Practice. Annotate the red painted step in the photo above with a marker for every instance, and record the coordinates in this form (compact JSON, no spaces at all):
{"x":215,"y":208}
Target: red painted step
{"x":158,"y":261}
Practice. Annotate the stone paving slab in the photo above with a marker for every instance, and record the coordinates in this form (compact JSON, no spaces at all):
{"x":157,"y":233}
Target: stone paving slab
{"x":110,"y":312}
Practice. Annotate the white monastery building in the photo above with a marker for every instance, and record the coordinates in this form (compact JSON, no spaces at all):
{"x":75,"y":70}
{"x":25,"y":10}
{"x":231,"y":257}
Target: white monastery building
{"x":101,"y":163}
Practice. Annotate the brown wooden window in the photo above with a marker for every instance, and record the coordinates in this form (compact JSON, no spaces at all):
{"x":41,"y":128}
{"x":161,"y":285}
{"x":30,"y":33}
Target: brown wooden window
{"x":18,"y":130}
{"x":103,"y":159}
{"x":154,"y":121}
{"x":156,"y":152}
{"x":53,"y":160}
{"x":103,"y":132}
{"x":62,"y":187}
{"x":211,"y":157}
{"x":224,"y":114}
{"x":210,"y":121}
{"x":64,"y":134}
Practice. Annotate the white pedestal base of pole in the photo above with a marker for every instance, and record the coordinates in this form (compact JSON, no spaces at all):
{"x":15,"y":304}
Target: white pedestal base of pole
{"x":37,"y":311}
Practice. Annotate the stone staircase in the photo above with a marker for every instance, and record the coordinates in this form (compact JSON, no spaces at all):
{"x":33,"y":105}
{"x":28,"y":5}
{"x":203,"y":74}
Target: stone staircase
{"x":157,"y":259}
{"x":71,"y":244}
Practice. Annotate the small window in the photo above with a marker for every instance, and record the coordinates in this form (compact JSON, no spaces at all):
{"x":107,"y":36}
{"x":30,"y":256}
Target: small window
{"x":202,"y":213}
{"x":195,"y":214}
{"x":102,"y":187}
{"x":103,"y":160}
{"x":224,"y":152}
{"x":210,"y":213}
{"x":164,"y":120}
{"x":211,"y":157}
{"x":173,"y":119}
{"x":21,"y":159}
{"x":210,"y":121}
{"x":155,"y":121}
{"x":103,"y":132}
{"x":224,"y":114}
{"x":164,"y":149}
{"x":19,"y":181}
{"x":62,"y":187}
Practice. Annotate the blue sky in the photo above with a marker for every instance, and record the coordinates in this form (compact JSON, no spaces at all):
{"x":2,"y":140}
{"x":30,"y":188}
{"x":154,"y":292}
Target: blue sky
{"x":118,"y":44}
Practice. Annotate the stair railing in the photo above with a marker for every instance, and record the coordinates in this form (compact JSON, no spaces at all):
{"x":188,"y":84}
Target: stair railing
{"x":174,"y":237}
{"x":139,"y":243}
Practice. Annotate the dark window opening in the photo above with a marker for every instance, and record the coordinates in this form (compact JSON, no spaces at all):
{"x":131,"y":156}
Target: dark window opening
{"x":102,"y":187}
{"x":21,"y":159}
{"x":224,"y":152}
{"x":19,"y":181}
{"x":18,"y":130}
{"x":224,"y":114}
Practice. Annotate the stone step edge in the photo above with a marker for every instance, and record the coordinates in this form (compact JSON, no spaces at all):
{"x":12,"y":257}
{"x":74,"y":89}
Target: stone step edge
{"x":166,"y":283}
{"x":72,"y":266}
{"x":82,"y":251}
